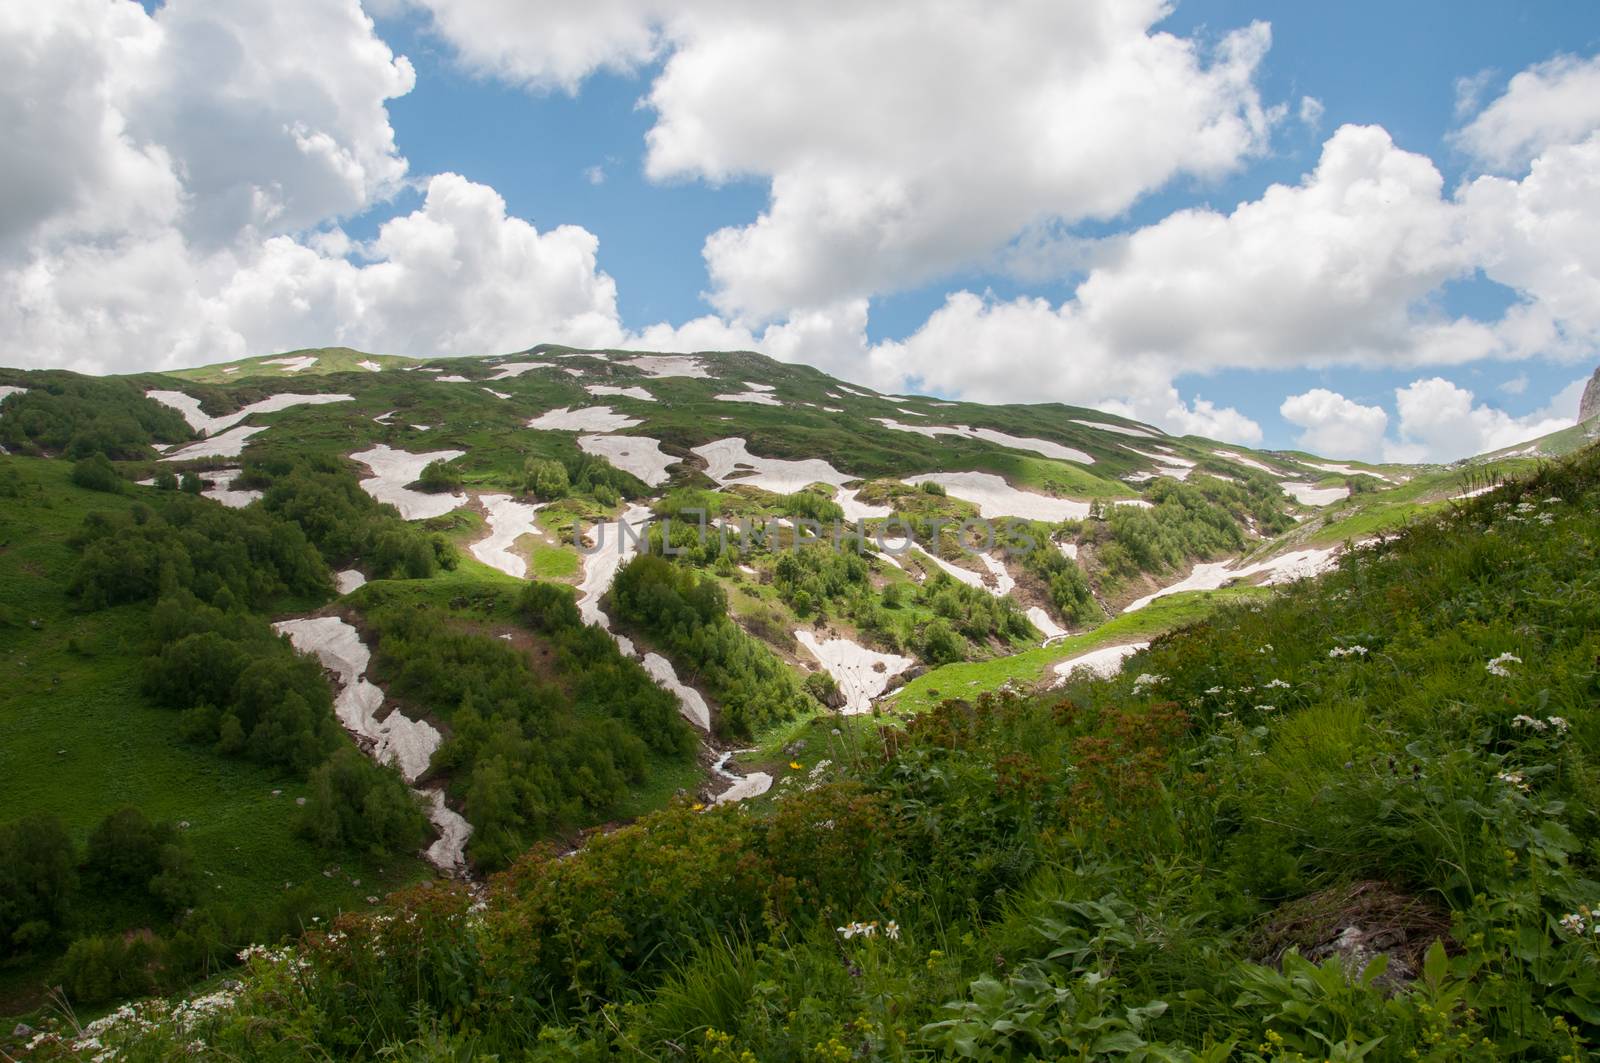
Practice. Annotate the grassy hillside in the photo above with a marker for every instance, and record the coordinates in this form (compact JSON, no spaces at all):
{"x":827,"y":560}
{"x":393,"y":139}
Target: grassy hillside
{"x":82,"y":739}
{"x":149,"y":679}
{"x":1352,"y":820}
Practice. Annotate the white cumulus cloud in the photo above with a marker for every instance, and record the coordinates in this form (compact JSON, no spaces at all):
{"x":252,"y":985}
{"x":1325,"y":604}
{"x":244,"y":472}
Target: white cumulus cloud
{"x":1441,"y":421}
{"x":902,"y":139}
{"x":1550,"y":103}
{"x":1334,"y":426}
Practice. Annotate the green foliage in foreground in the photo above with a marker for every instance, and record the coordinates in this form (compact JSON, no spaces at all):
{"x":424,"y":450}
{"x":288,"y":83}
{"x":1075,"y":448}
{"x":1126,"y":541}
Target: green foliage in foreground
{"x":1400,"y":756}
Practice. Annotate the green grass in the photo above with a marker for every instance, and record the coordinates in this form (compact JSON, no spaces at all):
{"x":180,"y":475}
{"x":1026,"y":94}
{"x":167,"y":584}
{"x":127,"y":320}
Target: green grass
{"x":554,"y":563}
{"x":967,"y":679}
{"x":1366,"y":515}
{"x":1171,"y":866}
{"x":80,"y":739}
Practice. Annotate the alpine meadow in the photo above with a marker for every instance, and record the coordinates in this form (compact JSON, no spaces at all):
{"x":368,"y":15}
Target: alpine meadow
{"x":758,"y":533}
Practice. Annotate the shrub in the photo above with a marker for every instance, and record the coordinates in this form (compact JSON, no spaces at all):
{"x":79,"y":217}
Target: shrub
{"x":96,"y":473}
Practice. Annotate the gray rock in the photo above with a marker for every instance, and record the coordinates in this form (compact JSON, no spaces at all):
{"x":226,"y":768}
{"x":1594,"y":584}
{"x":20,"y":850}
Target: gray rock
{"x":1590,"y":406}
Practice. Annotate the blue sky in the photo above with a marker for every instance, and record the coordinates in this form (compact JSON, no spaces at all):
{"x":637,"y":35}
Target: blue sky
{"x":875,"y":174}
{"x":1366,"y":62}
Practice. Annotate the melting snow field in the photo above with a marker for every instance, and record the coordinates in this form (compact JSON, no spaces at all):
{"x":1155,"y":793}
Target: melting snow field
{"x":639,"y":455}
{"x":229,"y":444}
{"x":855,"y":509}
{"x":294,"y":365}
{"x":498,"y":394}
{"x":509,"y":520}
{"x":189,"y":406}
{"x":1045,"y":623}
{"x":511,"y":370}
{"x":1312,"y":495}
{"x":396,"y":739}
{"x":743,"y":787}
{"x":665,"y":365}
{"x":729,"y":461}
{"x":1242,"y":460}
{"x":1003,"y":583}
{"x":600,"y":567}
{"x":996,"y":498}
{"x":1166,"y":465}
{"x":690,"y":703}
{"x":1347,"y":470}
{"x":1042,"y":447}
{"x":371,"y":367}
{"x":1285,"y":568}
{"x":603,"y":390}
{"x":222,"y":489}
{"x":588,"y":419}
{"x":862,"y":674}
{"x":453,"y":378}
{"x":349,"y":580}
{"x":393,"y":469}
{"x":760,"y":398}
{"x":448,"y":853}
{"x":611,"y":549}
{"x":8,"y":389}
{"x":1105,"y":662}
{"x":964,"y":575}
{"x":1119,"y":429}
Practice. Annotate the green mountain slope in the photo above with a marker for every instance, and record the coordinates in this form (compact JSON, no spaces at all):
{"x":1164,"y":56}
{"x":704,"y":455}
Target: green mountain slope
{"x":1352,"y":818}
{"x":436,"y":512}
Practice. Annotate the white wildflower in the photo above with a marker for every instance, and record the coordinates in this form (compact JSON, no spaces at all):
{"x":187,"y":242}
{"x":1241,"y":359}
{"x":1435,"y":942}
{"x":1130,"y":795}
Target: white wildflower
{"x":1498,"y":665}
{"x":1513,"y":778}
{"x":1266,"y":708}
{"x":1214,"y":690}
{"x":1573,"y":923}
{"x":1145,"y":681}
{"x":891,"y":930}
{"x":1530,"y":722}
{"x":1348,"y":651}
{"x":1277,"y":684}
{"x":1559,"y":723}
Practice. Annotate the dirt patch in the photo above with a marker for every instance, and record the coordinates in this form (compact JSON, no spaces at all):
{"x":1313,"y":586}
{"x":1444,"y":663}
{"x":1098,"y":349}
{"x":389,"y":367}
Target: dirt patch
{"x":1356,"y":922}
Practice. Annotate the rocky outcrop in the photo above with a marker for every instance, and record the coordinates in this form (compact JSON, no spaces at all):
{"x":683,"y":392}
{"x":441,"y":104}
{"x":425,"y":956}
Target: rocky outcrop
{"x":1590,"y":406}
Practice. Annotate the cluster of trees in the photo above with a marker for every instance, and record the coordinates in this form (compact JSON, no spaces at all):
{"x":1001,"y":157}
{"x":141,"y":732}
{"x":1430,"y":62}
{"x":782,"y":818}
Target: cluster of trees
{"x":1063,"y":581}
{"x":96,"y":473}
{"x":73,"y":417}
{"x":824,"y":581}
{"x":550,"y":480}
{"x":1186,"y":521}
{"x":240,"y":688}
{"x":52,"y":893}
{"x":529,"y":755}
{"x":321,"y":495}
{"x":687,"y":616}
{"x":244,"y":691}
{"x":228,"y":557}
{"x":811,"y":505}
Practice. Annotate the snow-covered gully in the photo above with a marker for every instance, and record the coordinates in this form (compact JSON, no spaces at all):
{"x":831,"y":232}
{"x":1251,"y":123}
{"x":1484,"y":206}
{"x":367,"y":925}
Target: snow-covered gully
{"x":395,"y":739}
